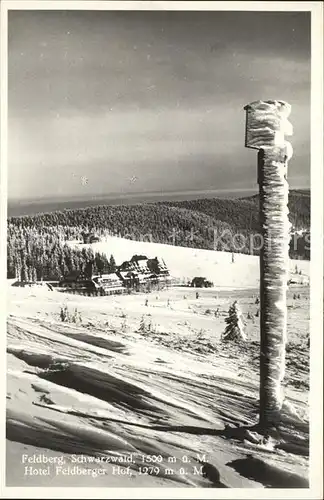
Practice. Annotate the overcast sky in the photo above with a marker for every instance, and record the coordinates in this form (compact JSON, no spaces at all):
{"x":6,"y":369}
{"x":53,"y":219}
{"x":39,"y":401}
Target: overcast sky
{"x":113,"y":102}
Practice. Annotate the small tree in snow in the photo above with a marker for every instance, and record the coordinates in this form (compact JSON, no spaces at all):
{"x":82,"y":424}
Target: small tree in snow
{"x":142,"y":327}
{"x":234,"y":329}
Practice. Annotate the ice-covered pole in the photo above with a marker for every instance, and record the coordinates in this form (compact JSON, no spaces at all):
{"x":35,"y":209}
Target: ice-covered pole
{"x":266,"y":127}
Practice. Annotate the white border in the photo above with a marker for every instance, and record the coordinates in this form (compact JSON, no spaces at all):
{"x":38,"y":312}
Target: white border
{"x":316,"y":303}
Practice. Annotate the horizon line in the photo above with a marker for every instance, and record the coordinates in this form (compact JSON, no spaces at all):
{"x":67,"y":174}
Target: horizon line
{"x":137,"y":194}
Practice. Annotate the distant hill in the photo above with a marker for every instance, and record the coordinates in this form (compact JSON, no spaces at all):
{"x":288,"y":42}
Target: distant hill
{"x":193,"y":223}
{"x":243,"y":213}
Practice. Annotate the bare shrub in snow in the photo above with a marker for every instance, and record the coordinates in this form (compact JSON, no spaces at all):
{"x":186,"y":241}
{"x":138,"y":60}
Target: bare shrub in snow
{"x":146,"y":326}
{"x":201,"y":334}
{"x":64,"y":313}
{"x":76,"y":316}
{"x":67,"y":317}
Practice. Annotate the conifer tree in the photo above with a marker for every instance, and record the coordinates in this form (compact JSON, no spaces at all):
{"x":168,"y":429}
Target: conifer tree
{"x":24,"y":271}
{"x":112,"y":264}
{"x":99,"y":263}
{"x":18,"y":268}
{"x":142,"y":326}
{"x":235,"y":328}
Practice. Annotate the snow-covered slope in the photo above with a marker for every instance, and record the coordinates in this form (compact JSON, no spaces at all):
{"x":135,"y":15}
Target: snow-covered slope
{"x":131,"y":381}
{"x":186,"y":263}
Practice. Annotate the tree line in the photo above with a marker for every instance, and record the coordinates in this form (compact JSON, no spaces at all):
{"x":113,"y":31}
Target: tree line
{"x":244,"y":212}
{"x":34,"y":255}
{"x":37,"y":244}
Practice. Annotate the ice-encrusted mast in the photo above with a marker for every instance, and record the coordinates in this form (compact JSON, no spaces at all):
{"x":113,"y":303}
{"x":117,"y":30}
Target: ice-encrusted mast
{"x":266,"y":127}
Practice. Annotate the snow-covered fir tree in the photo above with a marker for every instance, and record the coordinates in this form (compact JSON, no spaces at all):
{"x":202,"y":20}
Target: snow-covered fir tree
{"x":234,"y":324}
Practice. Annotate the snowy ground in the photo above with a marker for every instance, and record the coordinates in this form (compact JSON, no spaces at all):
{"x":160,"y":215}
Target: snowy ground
{"x":186,"y":263}
{"x":135,"y":395}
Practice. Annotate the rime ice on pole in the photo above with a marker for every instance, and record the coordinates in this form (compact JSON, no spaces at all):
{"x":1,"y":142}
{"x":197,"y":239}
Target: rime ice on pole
{"x":267,"y":125}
